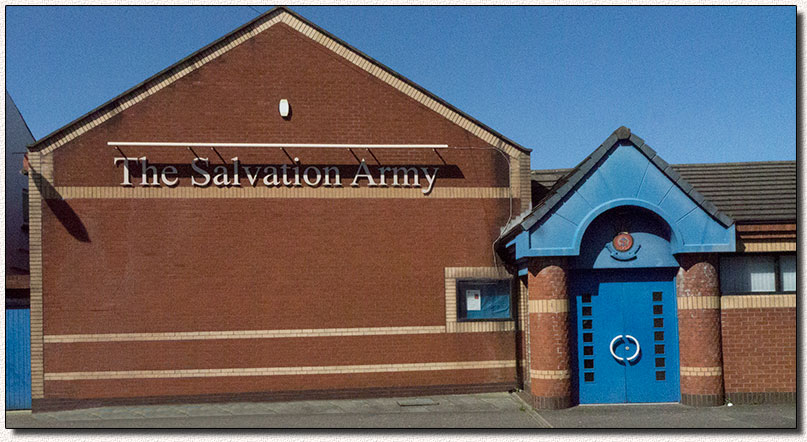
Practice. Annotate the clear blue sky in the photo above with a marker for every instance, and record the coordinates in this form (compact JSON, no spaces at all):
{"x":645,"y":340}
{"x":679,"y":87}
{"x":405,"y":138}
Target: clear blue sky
{"x":699,"y":84}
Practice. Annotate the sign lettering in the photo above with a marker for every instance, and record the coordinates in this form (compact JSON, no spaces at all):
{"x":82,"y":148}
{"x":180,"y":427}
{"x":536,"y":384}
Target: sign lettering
{"x":229,"y":175}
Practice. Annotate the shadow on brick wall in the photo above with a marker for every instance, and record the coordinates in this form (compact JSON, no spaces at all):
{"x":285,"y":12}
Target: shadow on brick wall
{"x":61,"y":208}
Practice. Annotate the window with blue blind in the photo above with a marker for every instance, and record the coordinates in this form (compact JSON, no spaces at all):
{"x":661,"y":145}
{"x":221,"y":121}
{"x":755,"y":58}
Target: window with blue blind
{"x":479,"y":300}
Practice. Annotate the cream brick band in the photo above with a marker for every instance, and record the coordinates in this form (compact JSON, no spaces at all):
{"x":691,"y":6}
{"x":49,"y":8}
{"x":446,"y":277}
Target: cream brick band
{"x":278,"y":371}
{"x":549,"y":374}
{"x":263,"y":192}
{"x":521,"y":177}
{"x":242,"y":334}
{"x":549,"y":305}
{"x":523,"y":304}
{"x":39,"y":171}
{"x":476,"y":272}
{"x":698,"y":302}
{"x":480,"y":326}
{"x":701,"y":371}
{"x":758,"y":301}
{"x":762,"y":246}
{"x":203,"y":57}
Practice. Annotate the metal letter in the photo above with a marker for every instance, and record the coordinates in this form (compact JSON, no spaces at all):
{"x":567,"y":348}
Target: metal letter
{"x":126,"y":177}
{"x":165,"y":178}
{"x":201,"y":171}
{"x":365,"y":173}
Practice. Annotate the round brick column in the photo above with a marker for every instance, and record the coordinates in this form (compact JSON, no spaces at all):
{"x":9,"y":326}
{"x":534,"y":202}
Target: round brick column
{"x":549,"y":333}
{"x":698,"y":293}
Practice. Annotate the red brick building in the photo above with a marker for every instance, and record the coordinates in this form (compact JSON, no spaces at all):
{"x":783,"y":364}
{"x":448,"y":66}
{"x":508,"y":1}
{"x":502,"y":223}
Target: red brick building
{"x":280,"y":216}
{"x":736,"y":312}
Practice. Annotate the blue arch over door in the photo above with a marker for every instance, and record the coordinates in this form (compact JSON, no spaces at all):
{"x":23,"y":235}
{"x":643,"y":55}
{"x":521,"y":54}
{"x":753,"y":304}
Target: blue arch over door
{"x":622,"y":175}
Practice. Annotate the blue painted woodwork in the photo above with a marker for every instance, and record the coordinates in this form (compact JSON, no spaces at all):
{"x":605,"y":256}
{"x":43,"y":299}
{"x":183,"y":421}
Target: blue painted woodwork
{"x":624,"y":177}
{"x":623,"y":255}
{"x":623,"y":186}
{"x":636,"y":303}
{"x":18,"y":359}
{"x":651,"y":241}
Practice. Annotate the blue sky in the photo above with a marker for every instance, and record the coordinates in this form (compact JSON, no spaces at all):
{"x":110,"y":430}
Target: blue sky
{"x":699,"y":84}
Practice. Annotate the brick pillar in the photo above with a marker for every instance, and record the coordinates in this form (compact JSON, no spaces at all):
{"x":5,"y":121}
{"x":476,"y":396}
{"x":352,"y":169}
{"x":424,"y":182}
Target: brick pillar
{"x":549,"y":333}
{"x":698,"y":293}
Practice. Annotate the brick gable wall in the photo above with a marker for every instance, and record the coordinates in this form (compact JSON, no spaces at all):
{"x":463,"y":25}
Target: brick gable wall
{"x":218,"y":261}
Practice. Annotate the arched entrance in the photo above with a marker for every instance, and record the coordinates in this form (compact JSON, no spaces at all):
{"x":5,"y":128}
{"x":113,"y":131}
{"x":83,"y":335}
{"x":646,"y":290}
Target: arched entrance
{"x":623,"y":310}
{"x":600,"y":253}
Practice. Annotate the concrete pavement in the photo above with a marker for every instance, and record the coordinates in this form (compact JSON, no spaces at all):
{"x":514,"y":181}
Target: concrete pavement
{"x":673,"y":416}
{"x":488,"y":410}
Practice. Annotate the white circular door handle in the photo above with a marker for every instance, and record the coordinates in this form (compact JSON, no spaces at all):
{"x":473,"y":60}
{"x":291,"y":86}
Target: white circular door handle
{"x":611,"y":347}
{"x":637,"y":347}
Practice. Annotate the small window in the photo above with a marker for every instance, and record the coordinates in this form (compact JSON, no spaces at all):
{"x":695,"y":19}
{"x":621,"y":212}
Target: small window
{"x":748,"y":273}
{"x":483,"y":300}
{"x":757,"y":273}
{"x":787,"y":272}
{"x":660,"y":376}
{"x":589,"y":377}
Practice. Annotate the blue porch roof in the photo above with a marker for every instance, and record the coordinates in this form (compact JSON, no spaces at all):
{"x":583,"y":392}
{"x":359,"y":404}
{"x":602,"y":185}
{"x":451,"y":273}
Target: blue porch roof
{"x":623,"y":171}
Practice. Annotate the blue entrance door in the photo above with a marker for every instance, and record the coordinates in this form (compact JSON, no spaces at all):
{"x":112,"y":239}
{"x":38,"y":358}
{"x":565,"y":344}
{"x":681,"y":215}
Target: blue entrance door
{"x":18,"y":359}
{"x":627,"y":336}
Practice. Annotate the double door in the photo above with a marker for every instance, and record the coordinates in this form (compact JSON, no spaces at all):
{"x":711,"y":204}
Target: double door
{"x":627,"y":336}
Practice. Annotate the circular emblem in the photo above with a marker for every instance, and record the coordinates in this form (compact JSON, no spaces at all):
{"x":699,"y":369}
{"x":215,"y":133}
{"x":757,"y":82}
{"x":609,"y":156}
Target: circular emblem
{"x":623,"y":242}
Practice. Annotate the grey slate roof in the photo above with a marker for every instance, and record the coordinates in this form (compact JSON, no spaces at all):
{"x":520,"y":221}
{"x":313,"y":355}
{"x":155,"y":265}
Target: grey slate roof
{"x":748,"y":192}
{"x":756,"y":191}
{"x":567,"y":182}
